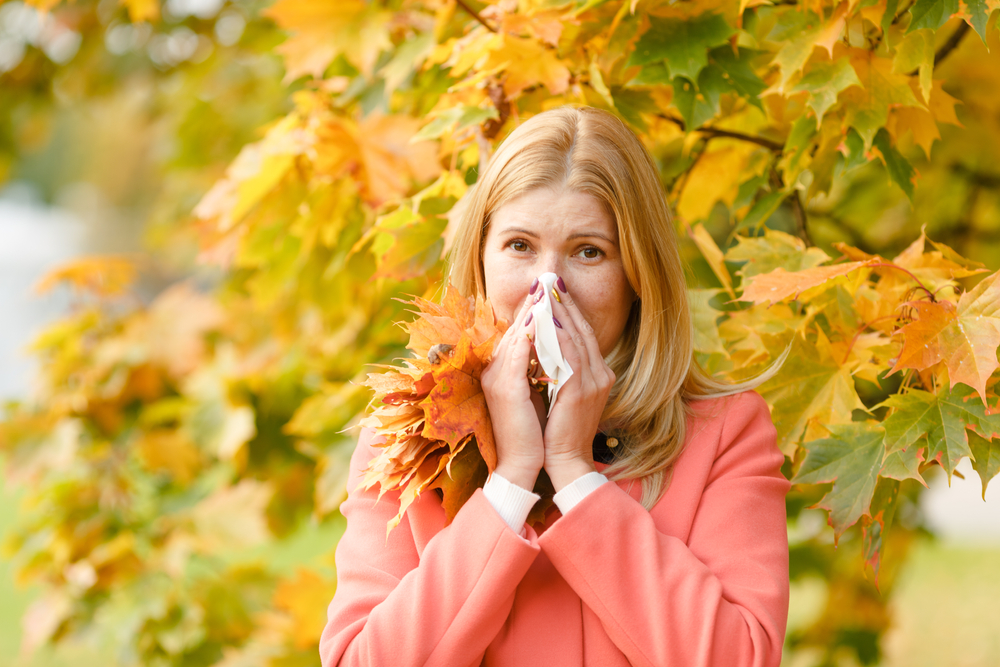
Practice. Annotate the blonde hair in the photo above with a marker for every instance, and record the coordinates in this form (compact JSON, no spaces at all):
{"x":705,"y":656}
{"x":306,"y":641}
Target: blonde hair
{"x":591,"y":151}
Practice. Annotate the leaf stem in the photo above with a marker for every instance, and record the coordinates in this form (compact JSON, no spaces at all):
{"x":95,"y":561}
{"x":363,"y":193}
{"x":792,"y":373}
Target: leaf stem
{"x":920,"y":285}
{"x":475,"y":15}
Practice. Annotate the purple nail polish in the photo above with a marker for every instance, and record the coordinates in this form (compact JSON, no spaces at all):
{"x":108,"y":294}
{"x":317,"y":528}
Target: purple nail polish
{"x":527,"y":320}
{"x":534,"y":286}
{"x":561,"y":285}
{"x":556,"y":322}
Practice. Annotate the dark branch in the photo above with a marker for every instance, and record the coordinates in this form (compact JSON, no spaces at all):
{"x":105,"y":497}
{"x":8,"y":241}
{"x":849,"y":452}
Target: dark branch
{"x":716,"y":132}
{"x":475,"y":15}
{"x":952,"y":42}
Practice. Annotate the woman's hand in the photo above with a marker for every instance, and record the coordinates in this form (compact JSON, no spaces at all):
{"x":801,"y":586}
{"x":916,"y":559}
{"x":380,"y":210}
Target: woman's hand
{"x":516,"y":426}
{"x":576,"y":415}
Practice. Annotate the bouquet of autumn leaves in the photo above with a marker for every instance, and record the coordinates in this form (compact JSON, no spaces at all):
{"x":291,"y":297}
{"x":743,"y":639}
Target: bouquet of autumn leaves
{"x":432,"y":412}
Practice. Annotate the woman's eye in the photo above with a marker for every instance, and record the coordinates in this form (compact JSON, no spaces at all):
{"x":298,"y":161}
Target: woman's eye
{"x":518,"y":246}
{"x":591,"y":253}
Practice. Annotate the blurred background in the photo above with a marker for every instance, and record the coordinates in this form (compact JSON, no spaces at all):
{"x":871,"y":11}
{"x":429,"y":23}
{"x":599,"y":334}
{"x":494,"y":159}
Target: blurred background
{"x":117,"y":118}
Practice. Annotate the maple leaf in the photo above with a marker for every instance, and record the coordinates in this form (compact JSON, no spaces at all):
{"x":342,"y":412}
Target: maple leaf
{"x":713,"y":178}
{"x":985,"y":457}
{"x":775,"y":249}
{"x":778,"y":285}
{"x":811,"y":391}
{"x":323,"y":30}
{"x":682,"y":45}
{"x":704,"y":318}
{"x":942,"y":419}
{"x":851,"y":459}
{"x":431,"y":409}
{"x":710,"y":251}
{"x":965,"y":337}
{"x":824,"y":81}
{"x":468,"y":472}
{"x":528,"y":62}
{"x":456,"y":407}
{"x":875,"y":525}
{"x":868,"y":105}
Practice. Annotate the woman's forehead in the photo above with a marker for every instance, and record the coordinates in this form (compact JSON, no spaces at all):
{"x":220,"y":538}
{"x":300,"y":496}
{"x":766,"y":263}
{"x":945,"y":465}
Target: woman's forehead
{"x":556,"y":210}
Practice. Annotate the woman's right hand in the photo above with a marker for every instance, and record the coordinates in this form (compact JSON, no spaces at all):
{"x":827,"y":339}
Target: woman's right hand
{"x":516,"y":427}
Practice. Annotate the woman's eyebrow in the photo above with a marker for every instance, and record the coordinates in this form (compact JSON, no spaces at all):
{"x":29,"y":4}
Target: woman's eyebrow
{"x":518,"y":230}
{"x":589,"y":234}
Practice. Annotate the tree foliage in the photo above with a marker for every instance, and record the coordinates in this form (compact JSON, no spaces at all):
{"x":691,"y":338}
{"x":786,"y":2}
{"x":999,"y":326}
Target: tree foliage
{"x":799,"y":144}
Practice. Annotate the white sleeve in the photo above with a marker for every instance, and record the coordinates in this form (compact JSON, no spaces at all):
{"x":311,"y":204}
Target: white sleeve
{"x":577,"y":490}
{"x":510,"y":501}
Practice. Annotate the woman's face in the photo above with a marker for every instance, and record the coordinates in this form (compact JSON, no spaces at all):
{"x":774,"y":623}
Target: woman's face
{"x":567,"y":233}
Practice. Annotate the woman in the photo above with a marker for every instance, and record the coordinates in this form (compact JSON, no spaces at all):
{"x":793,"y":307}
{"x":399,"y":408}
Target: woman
{"x":682,"y":558}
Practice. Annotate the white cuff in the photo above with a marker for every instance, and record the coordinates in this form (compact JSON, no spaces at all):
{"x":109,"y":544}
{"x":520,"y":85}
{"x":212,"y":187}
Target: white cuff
{"x":577,"y":490}
{"x":510,"y":501}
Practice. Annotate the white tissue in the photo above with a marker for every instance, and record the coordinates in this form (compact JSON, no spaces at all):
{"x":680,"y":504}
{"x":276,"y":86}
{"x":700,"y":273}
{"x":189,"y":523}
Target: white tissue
{"x":547,"y":349}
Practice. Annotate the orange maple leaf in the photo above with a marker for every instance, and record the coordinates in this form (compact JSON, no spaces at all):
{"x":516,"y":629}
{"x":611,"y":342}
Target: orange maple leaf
{"x":964,"y":337}
{"x":427,"y":411}
{"x":779,"y":284}
{"x":456,"y":407}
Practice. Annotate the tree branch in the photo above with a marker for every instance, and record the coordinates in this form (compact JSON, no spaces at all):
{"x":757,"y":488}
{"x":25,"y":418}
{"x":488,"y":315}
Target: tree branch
{"x":716,"y":132}
{"x":475,"y":15}
{"x":952,"y":42}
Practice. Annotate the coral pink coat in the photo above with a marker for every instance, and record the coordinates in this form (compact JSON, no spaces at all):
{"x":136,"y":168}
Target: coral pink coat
{"x":700,"y":580}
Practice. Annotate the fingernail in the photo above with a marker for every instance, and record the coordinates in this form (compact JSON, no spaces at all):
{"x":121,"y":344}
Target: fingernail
{"x":556,"y":295}
{"x":527,"y":320}
{"x":538,"y":297}
{"x":556,"y":322}
{"x":534,"y":286}
{"x":561,"y":285}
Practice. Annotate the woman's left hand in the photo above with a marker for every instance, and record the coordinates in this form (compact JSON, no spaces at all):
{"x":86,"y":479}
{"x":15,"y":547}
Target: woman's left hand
{"x":576,"y":415}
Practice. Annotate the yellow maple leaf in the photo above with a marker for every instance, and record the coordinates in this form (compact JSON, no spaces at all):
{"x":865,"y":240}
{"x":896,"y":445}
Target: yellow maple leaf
{"x":714,"y":177}
{"x":528,"y":63}
{"x":378,"y":151}
{"x":321,"y":31}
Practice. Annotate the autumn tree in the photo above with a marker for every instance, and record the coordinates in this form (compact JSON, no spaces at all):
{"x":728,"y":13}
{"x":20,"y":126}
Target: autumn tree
{"x":830,"y":166}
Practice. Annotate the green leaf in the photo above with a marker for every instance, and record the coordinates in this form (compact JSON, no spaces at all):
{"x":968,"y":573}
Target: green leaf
{"x":904,"y":464}
{"x":694,"y":108}
{"x":774,"y":249}
{"x":882,"y":511}
{"x":855,"y":155}
{"x":762,"y":210}
{"x":454,"y":120}
{"x":986,"y":453}
{"x":890,"y":13}
{"x":796,"y":150}
{"x":931,"y":14}
{"x":978,"y":15}
{"x":737,"y":72}
{"x":631,"y":104}
{"x":851,"y":458}
{"x":900,"y":170}
{"x":704,"y":318}
{"x":943,"y":419}
{"x":682,"y":45}
{"x":824,"y":81}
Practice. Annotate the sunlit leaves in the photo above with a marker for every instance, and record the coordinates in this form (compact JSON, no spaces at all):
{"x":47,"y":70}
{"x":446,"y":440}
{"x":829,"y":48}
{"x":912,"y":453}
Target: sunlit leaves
{"x":681,"y":45}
